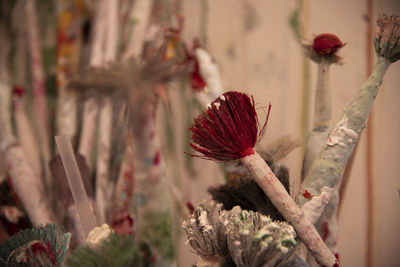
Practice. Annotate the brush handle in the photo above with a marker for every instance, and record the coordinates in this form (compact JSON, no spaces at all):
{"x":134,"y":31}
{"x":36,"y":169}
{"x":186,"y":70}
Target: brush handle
{"x":75,"y":182}
{"x":278,"y":195}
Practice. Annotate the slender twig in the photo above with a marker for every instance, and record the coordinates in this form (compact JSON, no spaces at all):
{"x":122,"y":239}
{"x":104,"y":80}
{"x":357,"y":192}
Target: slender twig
{"x":39,"y":91}
{"x":90,"y":111}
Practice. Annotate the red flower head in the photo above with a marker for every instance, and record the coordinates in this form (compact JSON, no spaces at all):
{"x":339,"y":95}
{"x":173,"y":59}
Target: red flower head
{"x":228,"y":129}
{"x":326,"y":44}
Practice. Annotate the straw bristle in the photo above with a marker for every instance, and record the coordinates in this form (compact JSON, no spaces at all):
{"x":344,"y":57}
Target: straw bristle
{"x":228,"y":129}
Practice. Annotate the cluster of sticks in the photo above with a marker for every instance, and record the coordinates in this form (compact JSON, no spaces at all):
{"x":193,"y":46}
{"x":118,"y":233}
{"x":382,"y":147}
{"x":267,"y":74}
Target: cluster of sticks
{"x":113,"y":104}
{"x":229,"y":129}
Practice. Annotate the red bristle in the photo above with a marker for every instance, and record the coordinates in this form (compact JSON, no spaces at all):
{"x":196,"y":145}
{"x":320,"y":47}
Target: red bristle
{"x":228,"y":129}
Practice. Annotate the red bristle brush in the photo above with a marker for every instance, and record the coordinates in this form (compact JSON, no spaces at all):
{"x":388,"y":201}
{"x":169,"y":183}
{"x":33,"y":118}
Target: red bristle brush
{"x":229,"y":130}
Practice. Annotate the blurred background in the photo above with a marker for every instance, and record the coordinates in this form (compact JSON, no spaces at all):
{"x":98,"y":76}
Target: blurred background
{"x":256,"y":47}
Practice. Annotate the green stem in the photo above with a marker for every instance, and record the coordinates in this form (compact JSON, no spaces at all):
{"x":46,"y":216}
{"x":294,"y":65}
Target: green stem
{"x":328,"y":167}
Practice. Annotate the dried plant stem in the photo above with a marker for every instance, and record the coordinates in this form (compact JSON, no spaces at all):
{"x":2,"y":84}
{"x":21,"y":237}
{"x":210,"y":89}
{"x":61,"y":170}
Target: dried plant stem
{"x":278,"y":195}
{"x":140,"y":13}
{"x":328,"y":167}
{"x":39,"y":91}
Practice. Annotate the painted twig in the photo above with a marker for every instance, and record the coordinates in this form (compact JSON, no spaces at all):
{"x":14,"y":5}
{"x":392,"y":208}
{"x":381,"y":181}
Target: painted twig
{"x":328,"y":167}
{"x":24,"y":129}
{"x":323,"y":52}
{"x":39,"y":91}
{"x":228,"y":130}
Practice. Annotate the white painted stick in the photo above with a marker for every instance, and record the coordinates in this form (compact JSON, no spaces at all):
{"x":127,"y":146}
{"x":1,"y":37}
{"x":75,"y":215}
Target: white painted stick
{"x":26,"y":137}
{"x":141,"y":14}
{"x":103,"y":184}
{"x":27,"y":185}
{"x":278,"y":195}
{"x":39,"y":91}
{"x":90,"y":112}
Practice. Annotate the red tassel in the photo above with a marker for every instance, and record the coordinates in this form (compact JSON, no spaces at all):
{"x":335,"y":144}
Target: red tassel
{"x":228,"y":129}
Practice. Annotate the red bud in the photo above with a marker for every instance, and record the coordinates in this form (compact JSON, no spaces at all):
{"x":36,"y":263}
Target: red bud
{"x":326,"y":44}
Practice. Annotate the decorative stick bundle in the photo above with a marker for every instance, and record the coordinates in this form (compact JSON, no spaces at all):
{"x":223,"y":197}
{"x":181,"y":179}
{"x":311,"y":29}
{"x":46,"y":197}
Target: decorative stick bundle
{"x":328,"y":167}
{"x":28,"y":186}
{"x":228,"y":130}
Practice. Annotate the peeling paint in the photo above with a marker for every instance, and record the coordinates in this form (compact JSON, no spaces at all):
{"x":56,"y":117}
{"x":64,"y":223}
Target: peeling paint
{"x":340,"y":132}
{"x":314,"y":208}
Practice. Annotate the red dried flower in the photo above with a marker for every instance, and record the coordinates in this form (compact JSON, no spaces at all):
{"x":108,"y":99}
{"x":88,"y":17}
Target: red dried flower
{"x":228,"y":129}
{"x":196,"y":81}
{"x":326,"y":44}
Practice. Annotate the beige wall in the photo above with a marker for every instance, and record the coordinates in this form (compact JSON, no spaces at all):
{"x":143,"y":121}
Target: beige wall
{"x":265,"y":61}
